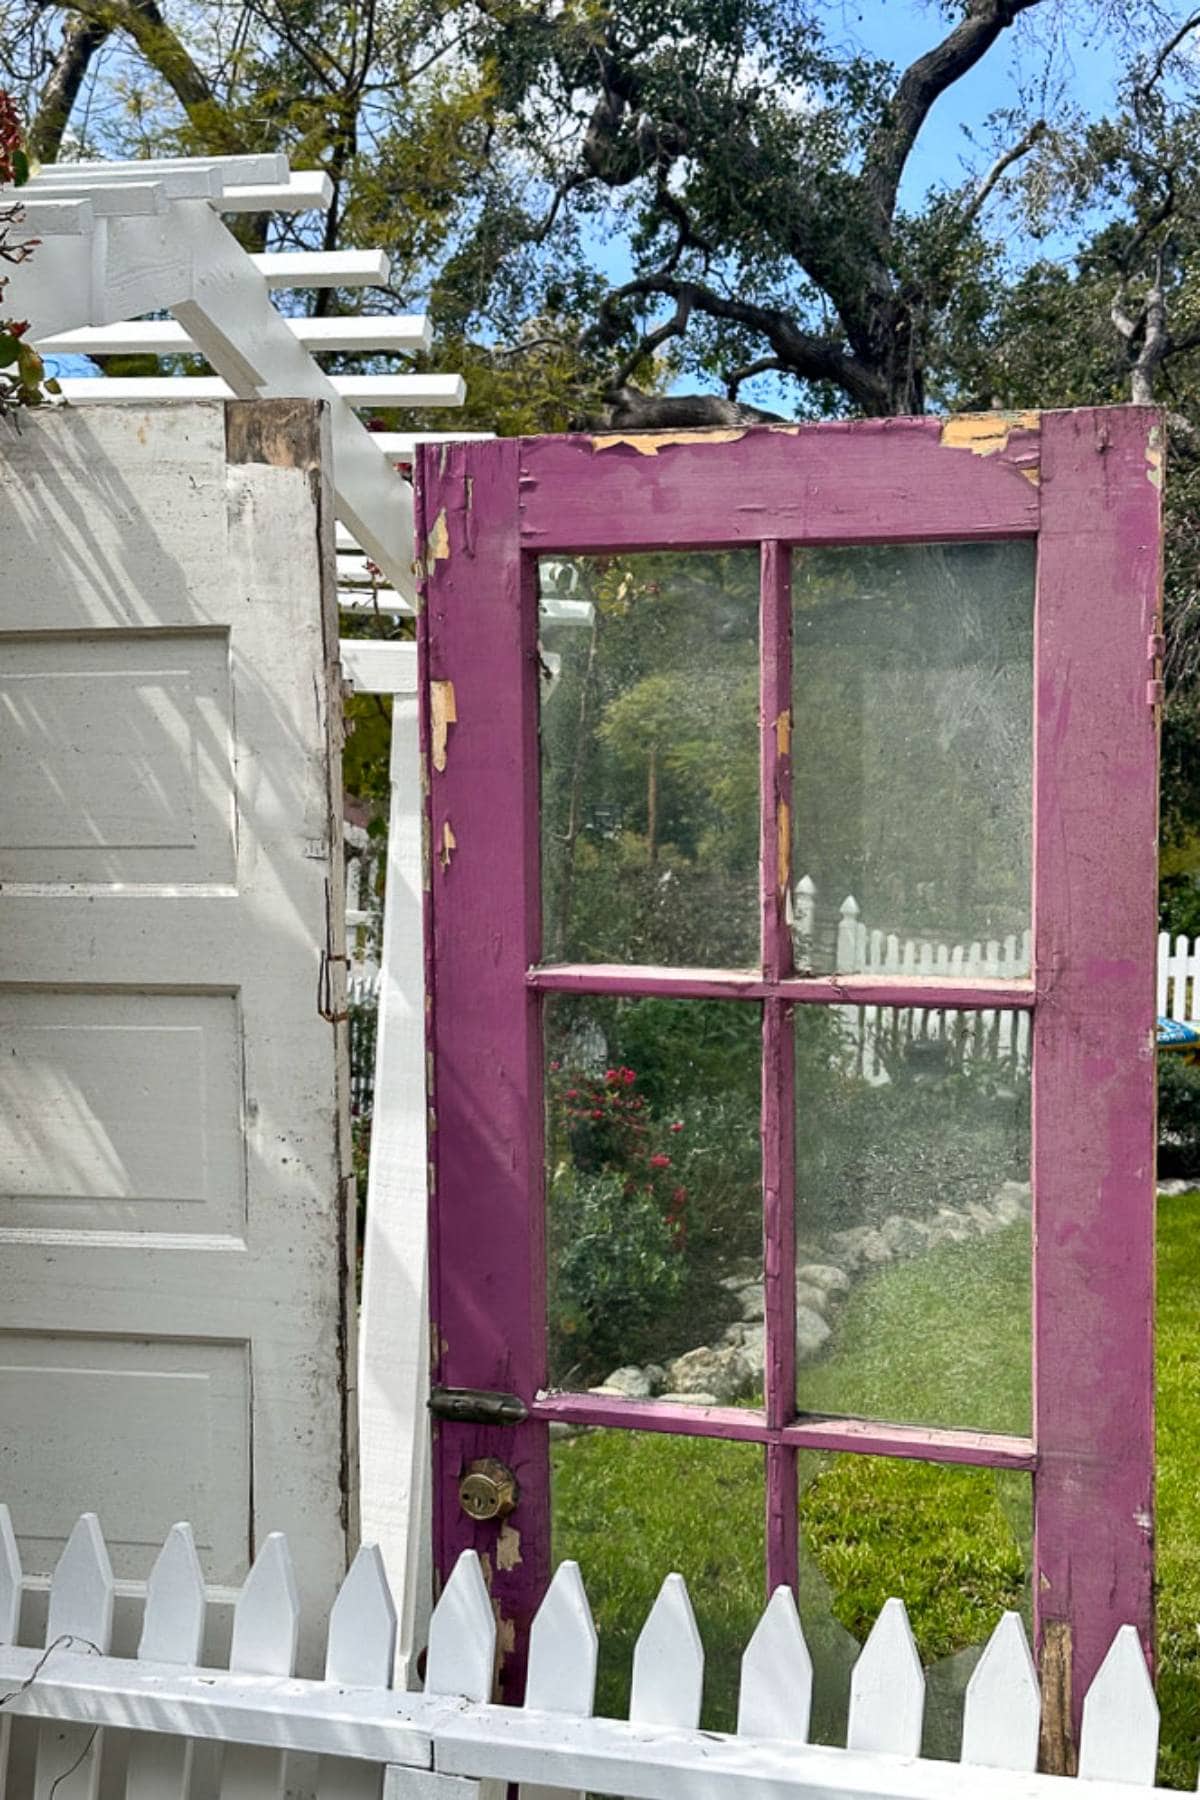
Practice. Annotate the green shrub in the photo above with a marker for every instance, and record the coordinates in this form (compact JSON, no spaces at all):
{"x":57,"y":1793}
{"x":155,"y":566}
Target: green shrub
{"x":615,"y":1263}
{"x":1178,"y":1116}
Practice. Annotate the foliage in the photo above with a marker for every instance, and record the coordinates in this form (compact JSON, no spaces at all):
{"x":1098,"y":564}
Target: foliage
{"x":907,"y":1147}
{"x":22,"y":374}
{"x":1178,"y":1116}
{"x":362,"y":1025}
{"x":650,"y":764}
{"x":617,"y":1212}
{"x":616,"y":1262}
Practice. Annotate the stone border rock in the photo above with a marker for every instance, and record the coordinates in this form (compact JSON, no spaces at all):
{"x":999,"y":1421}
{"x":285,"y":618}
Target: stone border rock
{"x":733,"y":1364}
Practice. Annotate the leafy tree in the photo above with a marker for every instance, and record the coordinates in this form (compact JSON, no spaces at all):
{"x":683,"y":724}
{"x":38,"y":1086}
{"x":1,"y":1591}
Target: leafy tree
{"x":747,"y":160}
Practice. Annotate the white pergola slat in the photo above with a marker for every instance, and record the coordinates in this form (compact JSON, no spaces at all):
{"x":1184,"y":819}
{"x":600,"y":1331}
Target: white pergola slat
{"x":323,"y":268}
{"x":359,"y":390}
{"x":121,"y":240}
{"x":265,"y":166}
{"x":128,"y":199}
{"x":305,"y":190}
{"x":402,"y":444}
{"x":166,"y":337}
{"x":175,"y":184}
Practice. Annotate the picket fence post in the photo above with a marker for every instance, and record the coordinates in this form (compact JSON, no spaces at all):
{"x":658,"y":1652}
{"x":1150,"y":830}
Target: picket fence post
{"x":266,"y":1626}
{"x":160,"y":1767}
{"x":80,"y":1615}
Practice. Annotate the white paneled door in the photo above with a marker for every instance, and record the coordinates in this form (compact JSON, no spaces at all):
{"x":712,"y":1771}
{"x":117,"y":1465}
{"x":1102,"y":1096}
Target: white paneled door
{"x":176,"y":1227}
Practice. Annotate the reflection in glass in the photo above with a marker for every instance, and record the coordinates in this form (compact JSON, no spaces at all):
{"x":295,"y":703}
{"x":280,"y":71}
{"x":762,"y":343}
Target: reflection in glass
{"x":631,"y":1506}
{"x":913,"y":1233}
{"x":650,"y":759}
{"x":912,"y":757}
{"x":653,"y":1196}
{"x":955,"y":1544}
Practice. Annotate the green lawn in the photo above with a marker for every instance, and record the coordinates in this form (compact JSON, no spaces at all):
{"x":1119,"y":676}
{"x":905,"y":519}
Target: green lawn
{"x":953,"y":1543}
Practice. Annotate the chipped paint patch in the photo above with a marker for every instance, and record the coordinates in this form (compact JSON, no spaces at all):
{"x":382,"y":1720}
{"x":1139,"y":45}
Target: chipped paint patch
{"x":442,"y":715}
{"x":449,"y":844}
{"x":1154,"y":457}
{"x":437,"y":544}
{"x":1033,"y":475}
{"x":986,"y":434}
{"x":508,"y":1547}
{"x":649,"y":443}
{"x":783,"y":734}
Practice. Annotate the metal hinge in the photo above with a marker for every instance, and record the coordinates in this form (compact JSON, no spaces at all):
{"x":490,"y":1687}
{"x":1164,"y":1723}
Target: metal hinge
{"x":477,"y":1406}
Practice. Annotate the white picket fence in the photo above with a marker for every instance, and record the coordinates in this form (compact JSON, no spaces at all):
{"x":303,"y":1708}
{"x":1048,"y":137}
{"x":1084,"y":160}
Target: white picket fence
{"x":1178,"y":978}
{"x":878,"y":1038}
{"x":149,"y":1713}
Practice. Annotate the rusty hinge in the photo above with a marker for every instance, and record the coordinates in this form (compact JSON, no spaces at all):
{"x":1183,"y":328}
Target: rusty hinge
{"x":325,"y":988}
{"x":477,"y":1406}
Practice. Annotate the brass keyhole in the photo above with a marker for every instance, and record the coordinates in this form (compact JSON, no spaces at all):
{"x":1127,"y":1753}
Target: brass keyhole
{"x":488,"y":1490}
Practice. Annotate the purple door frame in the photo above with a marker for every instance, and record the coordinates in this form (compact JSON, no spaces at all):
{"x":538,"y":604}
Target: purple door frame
{"x":1086,"y":486}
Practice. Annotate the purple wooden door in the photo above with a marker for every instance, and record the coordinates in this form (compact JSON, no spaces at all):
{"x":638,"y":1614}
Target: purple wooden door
{"x":848,"y":717}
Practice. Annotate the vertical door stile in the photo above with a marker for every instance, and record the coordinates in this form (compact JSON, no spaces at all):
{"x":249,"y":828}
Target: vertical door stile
{"x":778,"y":1108}
{"x":1093,"y":1053}
{"x":479,"y":649}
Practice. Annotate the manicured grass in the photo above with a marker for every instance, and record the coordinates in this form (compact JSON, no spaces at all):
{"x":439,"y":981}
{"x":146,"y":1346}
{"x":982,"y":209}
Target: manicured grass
{"x":941,"y":1338}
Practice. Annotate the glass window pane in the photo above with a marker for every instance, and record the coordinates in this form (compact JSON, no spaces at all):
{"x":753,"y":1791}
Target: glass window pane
{"x":650,"y":759}
{"x":654,"y":1196}
{"x":912,"y":756}
{"x":912,"y":1216}
{"x":630,"y":1507}
{"x":955,"y":1544}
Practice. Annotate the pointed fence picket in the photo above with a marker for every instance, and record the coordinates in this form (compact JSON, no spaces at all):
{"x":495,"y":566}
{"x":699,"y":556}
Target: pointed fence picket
{"x":266,"y":1629}
{"x":452,"y":1743}
{"x":668,"y":1662}
{"x":160,"y":1768}
{"x":80,"y":1616}
{"x":775,"y":1699}
{"x":361,"y":1652}
{"x":564,"y":1651}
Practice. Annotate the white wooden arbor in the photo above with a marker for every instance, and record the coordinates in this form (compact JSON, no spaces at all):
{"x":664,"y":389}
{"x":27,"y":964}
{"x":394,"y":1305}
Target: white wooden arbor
{"x":120,"y":240}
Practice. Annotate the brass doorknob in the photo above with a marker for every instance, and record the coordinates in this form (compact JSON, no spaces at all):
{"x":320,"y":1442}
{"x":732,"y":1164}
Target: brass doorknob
{"x":488,"y":1490}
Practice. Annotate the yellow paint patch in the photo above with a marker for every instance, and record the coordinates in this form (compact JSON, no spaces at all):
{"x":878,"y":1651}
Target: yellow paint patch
{"x":984,"y":434}
{"x":437,"y":544}
{"x":649,"y":443}
{"x":783,"y":734}
{"x":508,"y":1547}
{"x":1154,"y":458}
{"x":1033,"y":475}
{"x":449,"y":844}
{"x":442,"y":716}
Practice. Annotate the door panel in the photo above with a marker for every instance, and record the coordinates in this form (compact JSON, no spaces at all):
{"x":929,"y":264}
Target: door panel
{"x":919,"y":889}
{"x":174,"y":1235}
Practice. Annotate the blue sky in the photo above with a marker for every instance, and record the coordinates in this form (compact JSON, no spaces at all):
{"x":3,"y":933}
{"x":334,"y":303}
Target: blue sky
{"x":1057,"y":70}
{"x":1082,"y":72}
